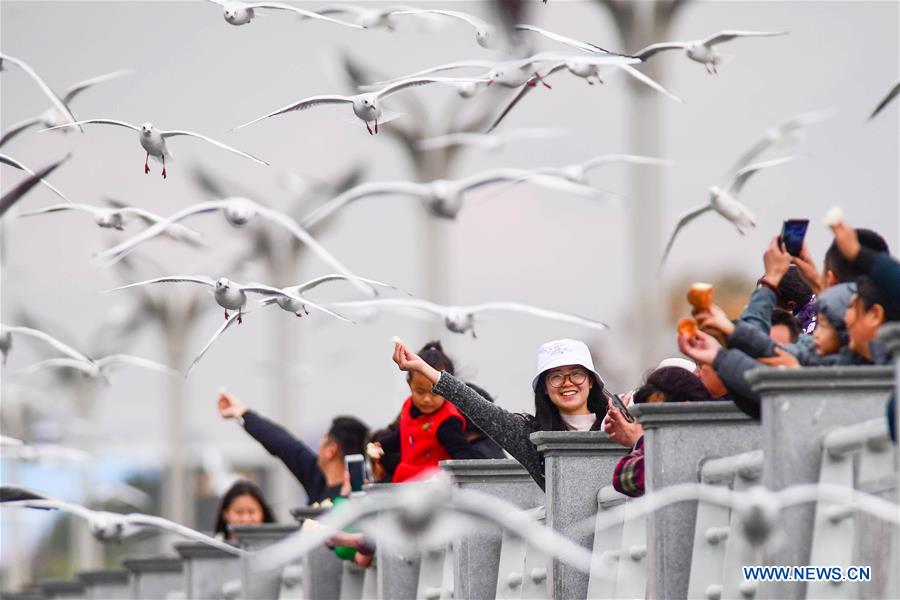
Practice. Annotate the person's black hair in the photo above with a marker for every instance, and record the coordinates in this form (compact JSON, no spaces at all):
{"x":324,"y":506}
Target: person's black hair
{"x":390,"y":460}
{"x":793,"y":291}
{"x":871,"y":294}
{"x":350,"y":434}
{"x":241,"y":487}
{"x":546,"y":414}
{"x":783,"y":317}
{"x":675,"y":384}
{"x":433,"y":354}
{"x":844,"y":271}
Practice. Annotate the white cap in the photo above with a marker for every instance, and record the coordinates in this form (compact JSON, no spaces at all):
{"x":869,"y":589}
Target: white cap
{"x":560,"y":353}
{"x":687,"y":365}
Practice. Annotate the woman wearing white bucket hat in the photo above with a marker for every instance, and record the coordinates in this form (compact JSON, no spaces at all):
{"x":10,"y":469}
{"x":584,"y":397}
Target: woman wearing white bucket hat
{"x":568,"y":396}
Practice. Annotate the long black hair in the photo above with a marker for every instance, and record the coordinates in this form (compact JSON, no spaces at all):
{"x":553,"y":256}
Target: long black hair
{"x":241,"y":487}
{"x":546,"y":414}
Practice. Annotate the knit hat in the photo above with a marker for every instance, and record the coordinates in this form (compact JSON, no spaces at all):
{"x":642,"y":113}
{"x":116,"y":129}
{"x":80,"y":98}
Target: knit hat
{"x":560,"y":353}
{"x":833,"y":303}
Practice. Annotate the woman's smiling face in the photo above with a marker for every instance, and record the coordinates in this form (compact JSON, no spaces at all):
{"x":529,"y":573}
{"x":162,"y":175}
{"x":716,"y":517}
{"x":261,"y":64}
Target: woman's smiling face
{"x":568,"y":388}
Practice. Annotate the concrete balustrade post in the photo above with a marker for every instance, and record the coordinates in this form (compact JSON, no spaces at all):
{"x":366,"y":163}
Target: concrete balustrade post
{"x":206,"y":570}
{"x":477,"y":553}
{"x":262,"y":585}
{"x":322,"y":568}
{"x":678,"y":438}
{"x":106,"y":584}
{"x":799,"y":406}
{"x":154,"y":577}
{"x":577,"y":464}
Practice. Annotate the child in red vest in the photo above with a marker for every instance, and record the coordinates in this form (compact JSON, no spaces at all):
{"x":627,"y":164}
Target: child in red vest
{"x":431,"y":429}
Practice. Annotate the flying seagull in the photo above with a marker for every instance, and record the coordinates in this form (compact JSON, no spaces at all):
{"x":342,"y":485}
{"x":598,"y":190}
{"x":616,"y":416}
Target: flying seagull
{"x":485,"y":34}
{"x":12,"y":162}
{"x":7,"y":332}
{"x":461,"y":319}
{"x":703,"y":51}
{"x":725,"y":202}
{"x":490,"y":142}
{"x":99,"y":368}
{"x":153,"y":140}
{"x":785,"y":132}
{"x":290,"y":303}
{"x":53,"y":116}
{"x":56,"y":100}
{"x":23,"y":187}
{"x":241,"y":13}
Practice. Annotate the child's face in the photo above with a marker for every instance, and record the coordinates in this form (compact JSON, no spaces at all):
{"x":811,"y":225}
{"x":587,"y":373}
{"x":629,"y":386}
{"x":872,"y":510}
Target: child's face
{"x":825,"y":336}
{"x":862,"y":324}
{"x":422,"y":398}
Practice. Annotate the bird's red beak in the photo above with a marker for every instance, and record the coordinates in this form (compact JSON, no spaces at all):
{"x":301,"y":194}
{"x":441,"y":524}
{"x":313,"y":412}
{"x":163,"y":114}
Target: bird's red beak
{"x":490,"y":81}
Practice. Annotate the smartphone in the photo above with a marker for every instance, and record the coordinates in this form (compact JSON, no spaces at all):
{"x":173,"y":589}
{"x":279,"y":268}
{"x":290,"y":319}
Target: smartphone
{"x":792,"y":233}
{"x":616,"y":401}
{"x":356,"y":465}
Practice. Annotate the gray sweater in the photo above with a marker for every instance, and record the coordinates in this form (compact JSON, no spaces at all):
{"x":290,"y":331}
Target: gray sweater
{"x":509,"y":430}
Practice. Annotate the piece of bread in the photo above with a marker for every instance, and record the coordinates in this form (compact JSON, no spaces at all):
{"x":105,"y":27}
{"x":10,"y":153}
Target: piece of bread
{"x":700,"y":295}
{"x":687,"y":326}
{"x":834,"y":216}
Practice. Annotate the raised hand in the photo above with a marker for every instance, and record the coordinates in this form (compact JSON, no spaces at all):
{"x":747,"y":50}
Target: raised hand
{"x":230,"y":407}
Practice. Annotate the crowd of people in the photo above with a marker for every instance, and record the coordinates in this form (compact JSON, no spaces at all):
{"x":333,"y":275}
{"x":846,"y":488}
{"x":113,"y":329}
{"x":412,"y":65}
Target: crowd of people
{"x":797,"y":316}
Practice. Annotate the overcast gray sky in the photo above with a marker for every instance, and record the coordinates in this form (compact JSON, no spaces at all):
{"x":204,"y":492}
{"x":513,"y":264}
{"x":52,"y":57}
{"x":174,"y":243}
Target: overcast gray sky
{"x":194,"y":71}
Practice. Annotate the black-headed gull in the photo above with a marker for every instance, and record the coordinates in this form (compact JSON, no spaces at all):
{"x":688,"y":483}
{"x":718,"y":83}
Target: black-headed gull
{"x":294,"y":302}
{"x":485,"y":34}
{"x":228,"y":294}
{"x":114,"y":527}
{"x":703,"y":51}
{"x":238,"y":211}
{"x":117,"y":218}
{"x":7,"y":332}
{"x":366,"y":106}
{"x":241,"y":13}
{"x":490,"y":142}
{"x":53,"y":116}
{"x":578,"y":172}
{"x":725,"y":202}
{"x":588,"y":67}
{"x":887,"y":100}
{"x":12,"y":162}
{"x":56,"y":100}
{"x":368,"y":18}
{"x":100,"y":368}
{"x":786,"y":132}
{"x":445,"y":197}
{"x":461,"y":319}
{"x":153,"y":140}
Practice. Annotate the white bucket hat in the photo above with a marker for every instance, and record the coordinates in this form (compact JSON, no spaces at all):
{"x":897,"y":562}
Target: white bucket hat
{"x":687,"y":365}
{"x":560,"y":353}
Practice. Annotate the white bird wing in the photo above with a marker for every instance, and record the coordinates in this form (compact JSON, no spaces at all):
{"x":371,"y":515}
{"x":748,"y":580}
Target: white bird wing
{"x":546,"y":180}
{"x":520,"y":94}
{"x":650,"y":82}
{"x":398,"y":86}
{"x":86,"y":367}
{"x":536,"y":311}
{"x":83,"y":85}
{"x":684,"y":220}
{"x":60,"y":207}
{"x":214,"y":337}
{"x":312,"y":283}
{"x":556,"y":37}
{"x":172,"y":279}
{"x":8,"y":160}
{"x":741,"y":177}
{"x":397,"y":304}
{"x":305,"y":13}
{"x":293,"y":294}
{"x":134,"y":361}
{"x":141,"y":520}
{"x":729,"y":34}
{"x":462,"y":16}
{"x":652,"y":49}
{"x":56,"y":100}
{"x":303,"y":105}
{"x":18,"y":128}
{"x":121,"y":249}
{"x":460,"y":64}
{"x":887,"y":99}
{"x":49,"y":504}
{"x":597,"y":161}
{"x":362,"y":191}
{"x":175,"y":132}
{"x":303,"y":236}
{"x":5,"y":440}
{"x":341,"y":9}
{"x":19,"y":190}
{"x":96,"y":122}
{"x":47,"y":339}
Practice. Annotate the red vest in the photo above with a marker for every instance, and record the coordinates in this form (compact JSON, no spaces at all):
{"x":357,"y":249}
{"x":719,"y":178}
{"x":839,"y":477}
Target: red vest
{"x":420,"y":449}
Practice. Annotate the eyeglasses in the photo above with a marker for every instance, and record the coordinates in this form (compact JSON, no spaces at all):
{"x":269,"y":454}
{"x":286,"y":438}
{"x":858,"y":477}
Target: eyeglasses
{"x":576,"y":377}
